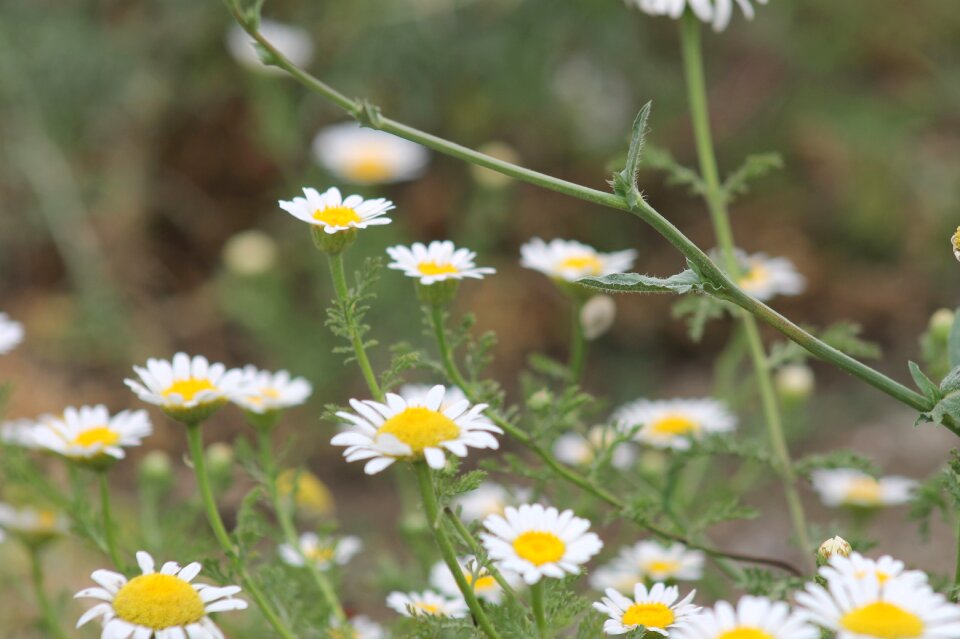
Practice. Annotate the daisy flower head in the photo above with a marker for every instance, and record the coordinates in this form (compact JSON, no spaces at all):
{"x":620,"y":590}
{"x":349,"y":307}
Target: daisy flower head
{"x":656,"y":610}
{"x":359,"y":627}
{"x":649,"y":561}
{"x":438,"y":267}
{"x":367,"y":156}
{"x":674,"y":423}
{"x":34,"y":526}
{"x":752,"y":618}
{"x":484,"y":585}
{"x":765,"y":277}
{"x":188,"y":389}
{"x":716,"y":13}
{"x":856,"y":567}
{"x":11,"y":333}
{"x":853,"y":488}
{"x":266,"y":394}
{"x":322,"y":553}
{"x":568,"y":260}
{"x":89,"y":435}
{"x":164,"y":604}
{"x":335,"y":219}
{"x":490,"y":498}
{"x":416,"y":604}
{"x":898,"y":608}
{"x":292,"y":41}
{"x":577,"y":450}
{"x":536,"y":542}
{"x":384,"y":433}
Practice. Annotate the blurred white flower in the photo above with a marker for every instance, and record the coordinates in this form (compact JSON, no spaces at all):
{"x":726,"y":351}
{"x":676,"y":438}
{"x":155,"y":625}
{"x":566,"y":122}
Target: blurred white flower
{"x":649,"y":561}
{"x":849,"y":487}
{"x":597,"y":315}
{"x":794,"y":381}
{"x":569,"y":260}
{"x":765,"y":277}
{"x":367,"y":156}
{"x":752,"y":618}
{"x":415,"y":604}
{"x":577,"y":450}
{"x":11,"y":333}
{"x":292,"y":41}
{"x":674,"y":423}
{"x":262,"y":391}
{"x":18,"y":432}
{"x":359,"y":627}
{"x":488,"y":499}
{"x":322,"y":553}
{"x":483,"y":583}
{"x":250,"y":253}
{"x":187,"y":388}
{"x":716,"y":13}
{"x":90,"y":433}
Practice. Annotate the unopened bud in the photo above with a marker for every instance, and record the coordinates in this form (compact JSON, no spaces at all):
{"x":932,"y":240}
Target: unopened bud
{"x":540,"y":400}
{"x":250,"y":253}
{"x":220,"y":461}
{"x":156,"y":467}
{"x":940,"y":324}
{"x":488,"y":177}
{"x":794,"y":381}
{"x":597,"y":315}
{"x":836,"y":547}
{"x":955,"y":243}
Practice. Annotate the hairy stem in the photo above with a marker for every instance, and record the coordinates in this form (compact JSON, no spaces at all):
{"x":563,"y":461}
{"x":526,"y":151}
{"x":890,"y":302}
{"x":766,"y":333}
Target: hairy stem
{"x":339,"y":276}
{"x":48,"y":615}
{"x":195,"y":441}
{"x":425,"y":479}
{"x":716,"y":199}
{"x":109,"y":533}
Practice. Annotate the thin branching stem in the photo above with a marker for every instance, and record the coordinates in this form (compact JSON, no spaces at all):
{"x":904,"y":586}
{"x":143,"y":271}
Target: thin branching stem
{"x":474,"y":546}
{"x":338,"y":273}
{"x":48,"y":615}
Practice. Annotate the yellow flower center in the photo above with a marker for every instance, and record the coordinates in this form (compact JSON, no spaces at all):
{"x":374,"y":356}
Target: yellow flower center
{"x":663,"y":567}
{"x":336,"y":216}
{"x":159,"y":601}
{"x":589,"y":263}
{"x":675,"y":425}
{"x":368,"y":167}
{"x":864,"y":490}
{"x":420,"y":428}
{"x":483,"y":582}
{"x":539,"y":547}
{"x":187,"y":388}
{"x":884,"y":621}
{"x":311,"y":493}
{"x":651,"y":615}
{"x":47,"y":519}
{"x":99,"y":435}
{"x":746,"y":633}
{"x":320,"y":554}
{"x":434,"y":268}
{"x":756,"y":276}
{"x":345,"y":632}
{"x":427,"y":608}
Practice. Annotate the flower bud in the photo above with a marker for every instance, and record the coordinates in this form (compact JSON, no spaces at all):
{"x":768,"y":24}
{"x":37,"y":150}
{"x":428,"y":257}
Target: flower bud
{"x":597,"y":315}
{"x":836,"y":547}
{"x":249,"y":253}
{"x":794,"y":381}
{"x":540,"y":400}
{"x":156,"y":467}
{"x":488,"y":177}
{"x":955,"y":243}
{"x":940,"y":324}
{"x":220,"y":462}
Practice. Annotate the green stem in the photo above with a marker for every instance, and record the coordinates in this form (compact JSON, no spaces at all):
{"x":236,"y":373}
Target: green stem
{"x":449,"y":555}
{"x":578,"y":343}
{"x":475,"y":548}
{"x":539,"y":614}
{"x":343,"y":296}
{"x":956,"y":576}
{"x":716,"y":199}
{"x":48,"y":614}
{"x":288,"y":529}
{"x":109,"y":534}
{"x":195,"y":441}
{"x":446,"y":354}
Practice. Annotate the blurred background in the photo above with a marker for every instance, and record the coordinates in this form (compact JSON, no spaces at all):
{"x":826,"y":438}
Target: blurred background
{"x":141,"y":163}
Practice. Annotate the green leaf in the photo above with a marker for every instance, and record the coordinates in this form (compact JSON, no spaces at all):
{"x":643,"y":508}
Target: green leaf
{"x":625,"y":182}
{"x":946,"y":410}
{"x":677,"y":174}
{"x":951,"y":382}
{"x":686,"y":282}
{"x":953,"y":342}
{"x":754,"y":167}
{"x":924,"y":383}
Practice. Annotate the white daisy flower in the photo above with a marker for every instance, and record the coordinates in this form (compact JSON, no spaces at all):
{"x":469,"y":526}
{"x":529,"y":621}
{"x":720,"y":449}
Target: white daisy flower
{"x":716,"y":13}
{"x":753,"y":618}
{"x":569,"y":260}
{"x":332,"y":212}
{"x":164,"y":605}
{"x":18,"y":432}
{"x":849,"y":487}
{"x":488,"y":499}
{"x":577,"y":450}
{"x":649,"y":561}
{"x":415,"y":604}
{"x":263,"y":392}
{"x":359,"y":627}
{"x":417,"y":394}
{"x":384,"y":433}
{"x":857,"y":567}
{"x":322,"y":553}
{"x":11,"y":333}
{"x":537,"y":542}
{"x":484,"y":584}
{"x":292,"y":41}
{"x":656,"y":610}
{"x":673,"y":423}
{"x":33,"y":524}
{"x":864,"y":608}
{"x":765,"y":277}
{"x":436,"y":262}
{"x":188,"y":389}
{"x":367,"y":156}
{"x":90,"y":433}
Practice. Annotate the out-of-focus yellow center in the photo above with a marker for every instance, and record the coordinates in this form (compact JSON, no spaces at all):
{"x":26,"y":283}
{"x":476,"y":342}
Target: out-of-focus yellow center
{"x":539,"y":547}
{"x":369,"y":166}
{"x":320,"y":554}
{"x":264,"y":393}
{"x":310,"y":493}
{"x":187,"y":388}
{"x":99,"y":435}
{"x":482,"y":583}
{"x":434,"y":268}
{"x":158,"y":601}
{"x":746,"y":633}
{"x":427,"y":608}
{"x":345,"y":632}
{"x":420,"y":428}
{"x":676,"y":425}
{"x":884,"y":621}
{"x":865,"y":491}
{"x":47,"y":519}
{"x":758,"y":275}
{"x":651,"y":615}
{"x":588,"y":263}
{"x":336,"y":216}
{"x":663,"y":567}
